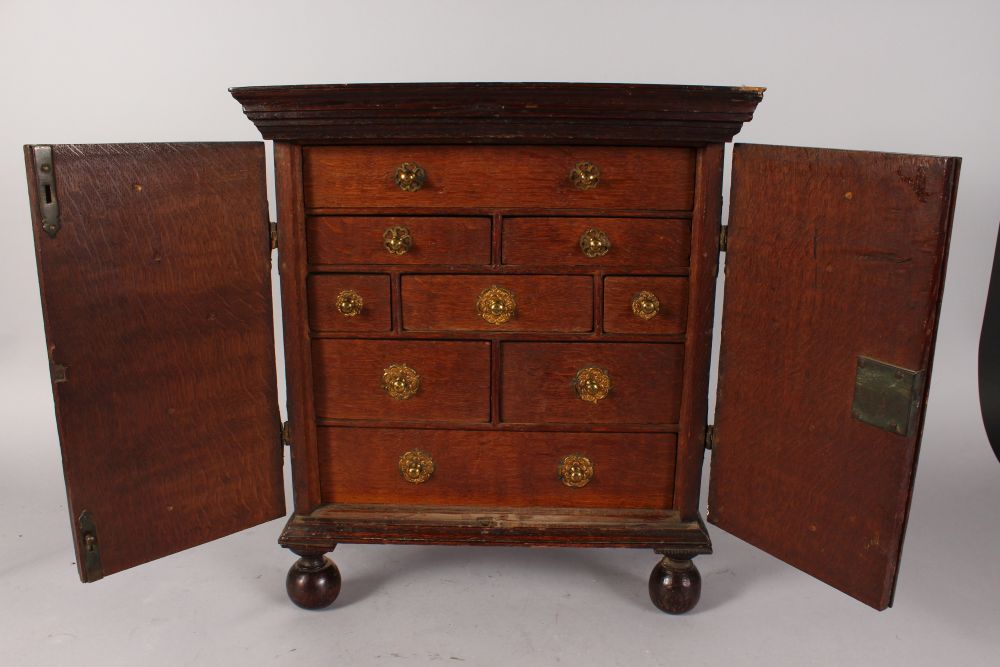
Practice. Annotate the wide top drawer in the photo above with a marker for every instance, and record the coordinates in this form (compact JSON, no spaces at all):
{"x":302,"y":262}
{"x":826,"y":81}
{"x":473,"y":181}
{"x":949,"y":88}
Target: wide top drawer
{"x":566,"y":177}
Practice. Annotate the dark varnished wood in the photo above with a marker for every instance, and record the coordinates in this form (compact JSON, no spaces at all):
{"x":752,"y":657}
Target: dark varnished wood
{"x":357,"y":239}
{"x":323,"y":290}
{"x":544,"y":303}
{"x":491,"y":468}
{"x":855,"y":247}
{"x":537,"y":382}
{"x":526,"y":526}
{"x":513,"y":113}
{"x":675,"y":585}
{"x":313,"y":581}
{"x":454,"y":380}
{"x":500,"y":176}
{"x":672,"y":293}
{"x":156,"y":295}
{"x":635,"y":242}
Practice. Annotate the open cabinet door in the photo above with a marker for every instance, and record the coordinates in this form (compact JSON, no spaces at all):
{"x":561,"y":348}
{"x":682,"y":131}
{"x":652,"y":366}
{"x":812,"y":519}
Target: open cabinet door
{"x":154,"y":267}
{"x":834,"y":272}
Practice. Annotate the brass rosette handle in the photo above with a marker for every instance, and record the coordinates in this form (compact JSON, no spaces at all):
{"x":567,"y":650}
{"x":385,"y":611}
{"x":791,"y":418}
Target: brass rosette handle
{"x":496,"y":304}
{"x":397,"y":240}
{"x":410,"y":176}
{"x":585,"y":175}
{"x":645,"y":305}
{"x":416,"y":466}
{"x":576,"y":471}
{"x":400,"y":381}
{"x":592,"y":384}
{"x":350,"y":303}
{"x":595,"y":243}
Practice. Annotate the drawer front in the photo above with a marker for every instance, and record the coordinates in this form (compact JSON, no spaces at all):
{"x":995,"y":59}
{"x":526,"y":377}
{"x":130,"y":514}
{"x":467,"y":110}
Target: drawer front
{"x":499,"y":177}
{"x":405,"y":240}
{"x":645,"y":305}
{"x":432,"y":380}
{"x":349,"y":302}
{"x":541,"y":383}
{"x":597,"y":242}
{"x":495,"y":468}
{"x":469,"y":303}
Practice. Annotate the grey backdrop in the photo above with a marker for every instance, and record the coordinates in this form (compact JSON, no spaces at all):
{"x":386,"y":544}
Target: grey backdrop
{"x":910,"y":76}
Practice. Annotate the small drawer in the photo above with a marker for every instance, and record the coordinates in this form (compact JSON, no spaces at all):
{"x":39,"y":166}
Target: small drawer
{"x":597,"y":242}
{"x":496,"y":468}
{"x":645,"y":305}
{"x":591,"y":383}
{"x":348,"y":302}
{"x":404,"y":240}
{"x":402,"y":380}
{"x":562,"y":177}
{"x":498,"y":303}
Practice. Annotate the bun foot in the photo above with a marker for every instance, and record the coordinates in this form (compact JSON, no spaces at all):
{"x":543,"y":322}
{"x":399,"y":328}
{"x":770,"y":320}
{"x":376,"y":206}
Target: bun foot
{"x":675,"y":585}
{"x":313,"y":582}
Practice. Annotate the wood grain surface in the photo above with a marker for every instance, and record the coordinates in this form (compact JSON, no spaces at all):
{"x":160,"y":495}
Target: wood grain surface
{"x":544,"y":303}
{"x":832,"y":255}
{"x":672,"y":293}
{"x":357,"y":239}
{"x":537,"y":382}
{"x":496,"y":468}
{"x":454,"y":380}
{"x":373,"y":289}
{"x":500,"y":177}
{"x":156,"y":295}
{"x":635,"y":242}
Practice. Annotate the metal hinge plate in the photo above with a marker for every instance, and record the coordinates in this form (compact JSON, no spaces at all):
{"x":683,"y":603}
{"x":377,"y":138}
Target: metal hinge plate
{"x":724,"y":238}
{"x":90,"y":548}
{"x":710,"y":436}
{"x":45,"y":179}
{"x":285,"y":436}
{"x":887,"y":396}
{"x":274,"y":236}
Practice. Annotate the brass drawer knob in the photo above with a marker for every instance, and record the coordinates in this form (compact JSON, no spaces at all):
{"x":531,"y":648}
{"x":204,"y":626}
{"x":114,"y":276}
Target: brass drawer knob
{"x":645,"y":305}
{"x":585,"y":175}
{"x":400,"y":381}
{"x":496,"y":304}
{"x":595,"y":243}
{"x":410,"y":176}
{"x":576,"y":471}
{"x":416,"y":466}
{"x":350,"y":303}
{"x":592,"y":384}
{"x":397,"y":240}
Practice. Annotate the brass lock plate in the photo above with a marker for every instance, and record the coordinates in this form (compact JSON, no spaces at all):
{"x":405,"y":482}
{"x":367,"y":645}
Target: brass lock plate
{"x":887,"y":396}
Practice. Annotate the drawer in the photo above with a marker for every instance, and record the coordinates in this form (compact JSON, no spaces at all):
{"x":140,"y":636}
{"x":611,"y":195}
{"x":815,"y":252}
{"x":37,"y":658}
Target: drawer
{"x":499,"y":177}
{"x":431,"y":380}
{"x":482,"y":302}
{"x":633,"y":242}
{"x":496,"y":468}
{"x":367,"y":239}
{"x":348,"y":302}
{"x":645,"y":305}
{"x":542,"y":382}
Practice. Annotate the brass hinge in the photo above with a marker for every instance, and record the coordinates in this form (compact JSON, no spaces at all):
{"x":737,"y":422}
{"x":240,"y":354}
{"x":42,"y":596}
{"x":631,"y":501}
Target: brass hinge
{"x":286,"y":440}
{"x":724,"y":238}
{"x":45,"y":178}
{"x":274,"y":235}
{"x":710,"y":436}
{"x":90,"y":549}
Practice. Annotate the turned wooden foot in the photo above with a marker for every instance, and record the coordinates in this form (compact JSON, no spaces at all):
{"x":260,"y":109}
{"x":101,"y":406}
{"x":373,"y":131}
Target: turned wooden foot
{"x":675,"y":585}
{"x":313,"y":582}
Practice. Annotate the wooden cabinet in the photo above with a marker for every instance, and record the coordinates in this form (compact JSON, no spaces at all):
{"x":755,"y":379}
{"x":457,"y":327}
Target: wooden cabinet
{"x":497,"y":311}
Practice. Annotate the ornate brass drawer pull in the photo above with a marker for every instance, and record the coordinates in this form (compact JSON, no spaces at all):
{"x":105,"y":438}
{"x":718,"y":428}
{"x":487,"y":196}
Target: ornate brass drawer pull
{"x":410,"y":176}
{"x":416,"y":466}
{"x":595,"y":243}
{"x":645,"y":305}
{"x":350,"y":303}
{"x":576,"y":470}
{"x":496,"y":305}
{"x":400,"y":381}
{"x":397,"y":240}
{"x":585,"y":175}
{"x":592,"y":384}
